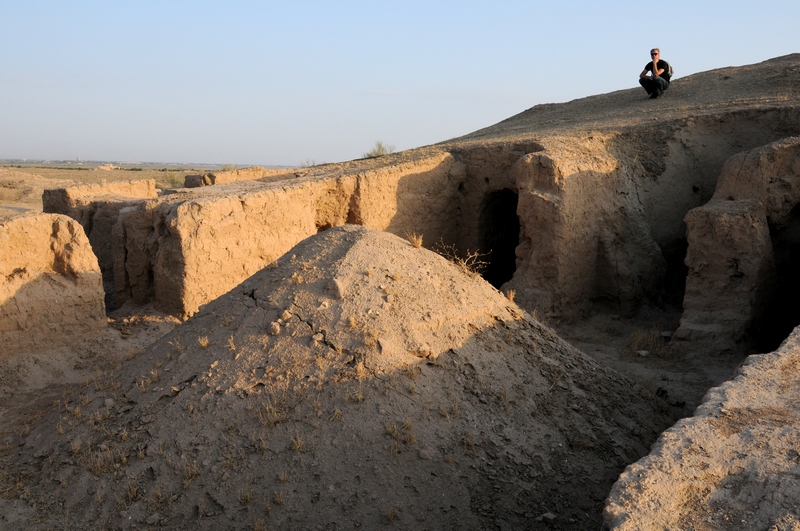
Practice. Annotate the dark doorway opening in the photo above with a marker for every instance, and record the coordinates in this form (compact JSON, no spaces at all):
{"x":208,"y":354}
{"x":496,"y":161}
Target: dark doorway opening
{"x":499,"y":236}
{"x":782,"y":312}
{"x":674,"y":285}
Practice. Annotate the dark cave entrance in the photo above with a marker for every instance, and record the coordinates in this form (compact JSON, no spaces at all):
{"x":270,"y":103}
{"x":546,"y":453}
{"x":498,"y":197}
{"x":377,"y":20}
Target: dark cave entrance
{"x":499,"y":236}
{"x":782,"y":312}
{"x":673,"y":287}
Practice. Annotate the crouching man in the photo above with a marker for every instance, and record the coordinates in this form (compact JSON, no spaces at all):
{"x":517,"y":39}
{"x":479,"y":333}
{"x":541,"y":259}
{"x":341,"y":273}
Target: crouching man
{"x":655,"y":76}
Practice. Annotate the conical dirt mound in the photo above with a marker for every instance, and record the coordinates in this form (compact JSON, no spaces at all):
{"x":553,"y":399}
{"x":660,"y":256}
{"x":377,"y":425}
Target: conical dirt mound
{"x":359,"y":381}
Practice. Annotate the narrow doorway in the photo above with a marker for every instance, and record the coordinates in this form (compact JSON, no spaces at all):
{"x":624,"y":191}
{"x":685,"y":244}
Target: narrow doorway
{"x":499,"y":226}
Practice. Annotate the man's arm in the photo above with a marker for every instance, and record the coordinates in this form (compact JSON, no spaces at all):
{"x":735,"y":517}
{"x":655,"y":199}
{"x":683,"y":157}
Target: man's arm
{"x":657,"y":71}
{"x":643,"y":74}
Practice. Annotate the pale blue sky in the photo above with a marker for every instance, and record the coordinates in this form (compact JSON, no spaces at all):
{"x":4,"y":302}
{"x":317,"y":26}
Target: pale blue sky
{"x":281,"y":83}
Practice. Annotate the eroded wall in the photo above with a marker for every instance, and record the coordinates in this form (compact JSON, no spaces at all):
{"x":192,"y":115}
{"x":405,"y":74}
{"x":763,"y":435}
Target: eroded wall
{"x":599,"y":215}
{"x":583,"y":233}
{"x":735,"y":278}
{"x":51,"y":292}
{"x":96,"y":207}
{"x":185,"y":250}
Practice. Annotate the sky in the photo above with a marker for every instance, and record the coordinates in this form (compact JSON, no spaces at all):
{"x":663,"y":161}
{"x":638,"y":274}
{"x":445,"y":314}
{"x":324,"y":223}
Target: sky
{"x":302,"y":82}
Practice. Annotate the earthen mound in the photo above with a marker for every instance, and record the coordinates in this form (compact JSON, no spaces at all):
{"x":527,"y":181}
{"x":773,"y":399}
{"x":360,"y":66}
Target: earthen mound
{"x":357,"y":381}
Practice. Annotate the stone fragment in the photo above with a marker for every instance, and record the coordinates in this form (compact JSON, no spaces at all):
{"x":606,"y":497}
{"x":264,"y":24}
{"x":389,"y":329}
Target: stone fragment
{"x":274,"y":328}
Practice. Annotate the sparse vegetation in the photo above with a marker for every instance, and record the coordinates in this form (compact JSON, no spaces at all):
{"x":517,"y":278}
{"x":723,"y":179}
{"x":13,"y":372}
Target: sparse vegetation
{"x":411,"y":370}
{"x":414,"y":239}
{"x":649,"y":340}
{"x":298,"y":444}
{"x":203,"y":341}
{"x":190,"y":471}
{"x":356,"y":395}
{"x":472,"y":263}
{"x":245,"y":497}
{"x":380,"y":149}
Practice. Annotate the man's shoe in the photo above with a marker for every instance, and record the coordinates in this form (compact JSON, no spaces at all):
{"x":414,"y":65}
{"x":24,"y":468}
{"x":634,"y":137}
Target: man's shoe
{"x":653,"y":96}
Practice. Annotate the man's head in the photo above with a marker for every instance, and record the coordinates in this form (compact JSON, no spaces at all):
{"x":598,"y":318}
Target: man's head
{"x":655,"y":53}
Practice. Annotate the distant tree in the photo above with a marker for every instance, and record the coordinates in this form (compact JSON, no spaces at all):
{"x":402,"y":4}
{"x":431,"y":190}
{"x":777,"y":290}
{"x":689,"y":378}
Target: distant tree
{"x":379,"y":150}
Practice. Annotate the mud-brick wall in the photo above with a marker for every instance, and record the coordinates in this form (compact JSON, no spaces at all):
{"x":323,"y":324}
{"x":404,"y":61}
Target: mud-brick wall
{"x":76,"y":201}
{"x":96,"y":207}
{"x":488,"y":169}
{"x":583,"y":233}
{"x":182,"y":252}
{"x":51,"y":293}
{"x":741,"y":249}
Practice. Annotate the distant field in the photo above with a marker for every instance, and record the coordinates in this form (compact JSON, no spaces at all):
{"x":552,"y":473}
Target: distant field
{"x":21,"y":185}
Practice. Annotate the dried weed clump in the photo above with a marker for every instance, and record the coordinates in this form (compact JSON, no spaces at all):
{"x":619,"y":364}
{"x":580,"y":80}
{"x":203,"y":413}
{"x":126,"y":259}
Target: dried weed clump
{"x":414,"y":239}
{"x":649,"y":340}
{"x":473,"y":263}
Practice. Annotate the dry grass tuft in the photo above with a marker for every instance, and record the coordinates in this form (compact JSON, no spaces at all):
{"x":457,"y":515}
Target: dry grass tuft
{"x":274,"y":410}
{"x":190,"y":471}
{"x":380,"y":149}
{"x":245,"y":497}
{"x":298,"y":444}
{"x":203,"y":340}
{"x":414,"y":239}
{"x":278,"y":498}
{"x":412,"y":371}
{"x":356,"y":395}
{"x":651,"y":341}
{"x":510,"y":294}
{"x":177,"y":346}
{"x":132,"y":490}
